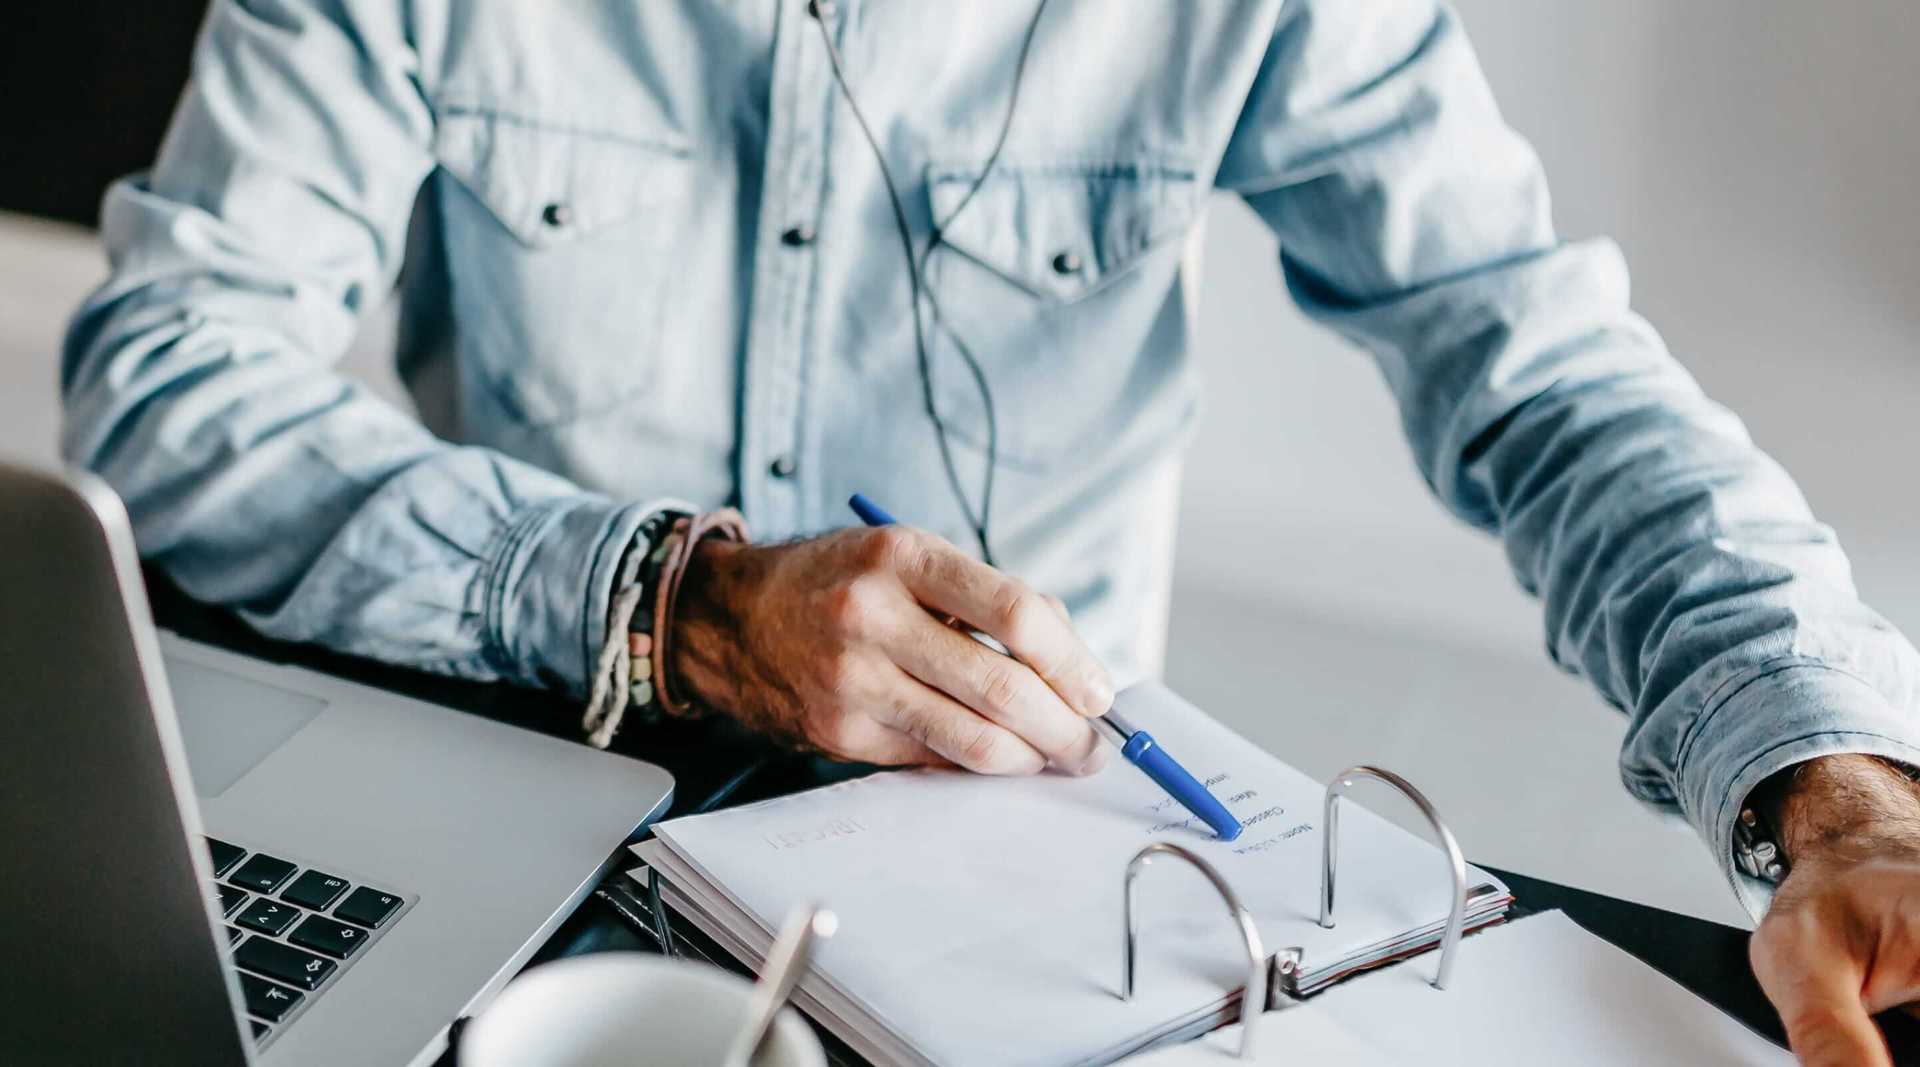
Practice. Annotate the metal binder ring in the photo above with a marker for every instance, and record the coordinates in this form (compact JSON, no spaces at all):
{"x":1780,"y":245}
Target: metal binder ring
{"x":1456,"y":863}
{"x":1254,"y":1001}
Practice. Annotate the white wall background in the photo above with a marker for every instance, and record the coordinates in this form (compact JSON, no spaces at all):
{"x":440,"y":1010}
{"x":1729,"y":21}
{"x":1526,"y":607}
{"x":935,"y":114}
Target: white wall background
{"x":1752,"y":156}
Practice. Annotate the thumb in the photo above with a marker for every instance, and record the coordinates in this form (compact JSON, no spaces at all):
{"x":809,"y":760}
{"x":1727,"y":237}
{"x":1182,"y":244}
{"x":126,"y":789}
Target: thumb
{"x":1816,"y":986}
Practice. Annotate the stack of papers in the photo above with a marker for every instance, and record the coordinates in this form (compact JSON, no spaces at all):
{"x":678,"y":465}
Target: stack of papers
{"x":1540,"y":990}
{"x":980,"y":918}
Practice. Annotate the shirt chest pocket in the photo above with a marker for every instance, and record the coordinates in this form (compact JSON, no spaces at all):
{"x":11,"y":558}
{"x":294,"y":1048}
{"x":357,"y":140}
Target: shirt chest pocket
{"x":558,"y":261}
{"x":1057,"y":279}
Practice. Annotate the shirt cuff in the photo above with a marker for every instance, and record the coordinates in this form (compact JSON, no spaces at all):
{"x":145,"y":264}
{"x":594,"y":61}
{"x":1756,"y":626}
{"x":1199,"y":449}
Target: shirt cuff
{"x":1783,"y":713}
{"x":548,"y":585}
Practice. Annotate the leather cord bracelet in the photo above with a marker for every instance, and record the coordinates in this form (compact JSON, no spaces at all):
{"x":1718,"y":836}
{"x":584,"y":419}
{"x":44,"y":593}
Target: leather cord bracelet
{"x":630,"y":669}
{"x":726,"y":524}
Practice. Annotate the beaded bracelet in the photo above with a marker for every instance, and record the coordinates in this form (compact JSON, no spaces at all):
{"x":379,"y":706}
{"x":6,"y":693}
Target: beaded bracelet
{"x":630,"y":680}
{"x":726,"y":524}
{"x":613,"y":682}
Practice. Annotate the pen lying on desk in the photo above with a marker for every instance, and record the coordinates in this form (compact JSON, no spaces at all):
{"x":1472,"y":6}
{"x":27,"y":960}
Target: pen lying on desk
{"x":1137,"y":746}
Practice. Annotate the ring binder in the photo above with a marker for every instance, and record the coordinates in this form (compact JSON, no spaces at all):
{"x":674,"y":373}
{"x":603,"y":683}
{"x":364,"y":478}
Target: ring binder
{"x":725,"y":878}
{"x":1254,"y":1000}
{"x":1456,"y":863}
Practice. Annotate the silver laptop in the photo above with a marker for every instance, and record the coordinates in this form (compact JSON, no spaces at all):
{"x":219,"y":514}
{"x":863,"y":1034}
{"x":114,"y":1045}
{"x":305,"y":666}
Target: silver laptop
{"x":213,"y":860}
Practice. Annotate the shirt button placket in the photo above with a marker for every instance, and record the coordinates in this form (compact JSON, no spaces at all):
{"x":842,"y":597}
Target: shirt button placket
{"x":772,"y":473}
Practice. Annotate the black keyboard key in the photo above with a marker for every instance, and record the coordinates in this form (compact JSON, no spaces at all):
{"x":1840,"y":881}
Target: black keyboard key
{"x":263,"y":873}
{"x":315,"y":890}
{"x":288,"y":964}
{"x":260,"y":1029}
{"x":268,"y":916}
{"x":367,"y":906}
{"x":230,"y":898}
{"x":224,"y":855}
{"x":234,"y":933}
{"x":268,"y":1001}
{"x":322,"y":934}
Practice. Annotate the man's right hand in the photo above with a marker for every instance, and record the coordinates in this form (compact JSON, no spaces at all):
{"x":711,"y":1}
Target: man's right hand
{"x":839,"y":643}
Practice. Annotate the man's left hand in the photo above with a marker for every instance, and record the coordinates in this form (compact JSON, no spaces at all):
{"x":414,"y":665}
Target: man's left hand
{"x":1841,"y":941}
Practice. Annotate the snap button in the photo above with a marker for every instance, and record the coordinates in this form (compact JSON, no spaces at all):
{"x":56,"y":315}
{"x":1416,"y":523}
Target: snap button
{"x":783,"y":467}
{"x":556,"y":215}
{"x":1066,"y":263}
{"x":798,"y":237}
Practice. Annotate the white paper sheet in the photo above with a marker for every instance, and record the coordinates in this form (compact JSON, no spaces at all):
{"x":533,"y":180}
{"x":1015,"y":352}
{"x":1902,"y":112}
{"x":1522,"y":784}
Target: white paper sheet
{"x":981,"y":918}
{"x":1538,"y":990}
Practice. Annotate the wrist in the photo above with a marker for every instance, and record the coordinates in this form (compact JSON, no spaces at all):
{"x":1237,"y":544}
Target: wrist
{"x":1844,"y":808}
{"x":704,"y":661}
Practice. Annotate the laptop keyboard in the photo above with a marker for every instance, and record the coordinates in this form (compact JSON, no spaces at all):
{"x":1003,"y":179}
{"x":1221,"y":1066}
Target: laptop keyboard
{"x":291,"y":930}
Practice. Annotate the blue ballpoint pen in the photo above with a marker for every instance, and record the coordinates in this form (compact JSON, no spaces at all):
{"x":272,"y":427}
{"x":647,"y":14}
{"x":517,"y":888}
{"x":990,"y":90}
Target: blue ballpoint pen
{"x":1137,"y":746}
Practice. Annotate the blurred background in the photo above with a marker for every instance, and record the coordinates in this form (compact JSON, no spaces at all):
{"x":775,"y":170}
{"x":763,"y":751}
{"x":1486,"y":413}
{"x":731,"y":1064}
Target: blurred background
{"x":1753,"y":157}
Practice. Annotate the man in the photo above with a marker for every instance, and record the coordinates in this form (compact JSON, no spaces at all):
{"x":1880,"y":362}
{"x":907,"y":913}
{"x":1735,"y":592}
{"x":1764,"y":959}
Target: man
{"x":664,"y":260}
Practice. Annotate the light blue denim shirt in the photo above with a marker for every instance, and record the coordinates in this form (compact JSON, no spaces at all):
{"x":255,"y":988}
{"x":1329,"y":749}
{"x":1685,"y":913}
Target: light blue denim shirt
{"x":659,"y":262}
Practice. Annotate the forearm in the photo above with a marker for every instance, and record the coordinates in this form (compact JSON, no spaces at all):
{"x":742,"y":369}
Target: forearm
{"x":262,"y":481}
{"x":199,"y":380}
{"x":1682,"y":573}
{"x":1679,"y":568}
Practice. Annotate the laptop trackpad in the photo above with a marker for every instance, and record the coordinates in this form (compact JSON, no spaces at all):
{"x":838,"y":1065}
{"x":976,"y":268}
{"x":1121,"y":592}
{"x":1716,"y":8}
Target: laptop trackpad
{"x":231,"y":723}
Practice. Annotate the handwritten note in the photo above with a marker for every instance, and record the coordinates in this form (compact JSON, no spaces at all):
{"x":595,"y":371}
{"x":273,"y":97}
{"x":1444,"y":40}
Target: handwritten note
{"x":1246,"y":805}
{"x":837,"y":828}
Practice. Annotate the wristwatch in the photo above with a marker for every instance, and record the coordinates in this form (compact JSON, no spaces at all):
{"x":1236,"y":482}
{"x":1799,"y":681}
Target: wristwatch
{"x":1755,"y":850}
{"x":1756,"y":843}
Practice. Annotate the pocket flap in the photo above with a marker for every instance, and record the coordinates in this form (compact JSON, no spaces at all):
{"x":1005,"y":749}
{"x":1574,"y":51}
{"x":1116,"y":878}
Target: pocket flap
{"x":546,"y":183}
{"x":1060,"y":231}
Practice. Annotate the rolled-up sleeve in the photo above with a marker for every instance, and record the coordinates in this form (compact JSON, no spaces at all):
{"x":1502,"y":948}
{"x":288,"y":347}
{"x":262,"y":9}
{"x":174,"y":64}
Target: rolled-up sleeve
{"x":200,"y":381}
{"x":1680,"y":569}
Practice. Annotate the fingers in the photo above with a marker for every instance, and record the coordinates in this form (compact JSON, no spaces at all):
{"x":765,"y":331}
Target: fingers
{"x":1814,"y":980}
{"x":979,"y":709}
{"x":1059,"y":607}
{"x":953,"y":732}
{"x":1828,"y":1028}
{"x":1036,"y":632}
{"x":1000,"y":689}
{"x":859,"y":739}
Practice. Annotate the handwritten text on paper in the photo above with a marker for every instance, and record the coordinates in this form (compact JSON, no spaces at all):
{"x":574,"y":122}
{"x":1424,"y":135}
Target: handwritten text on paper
{"x":841,"y":827}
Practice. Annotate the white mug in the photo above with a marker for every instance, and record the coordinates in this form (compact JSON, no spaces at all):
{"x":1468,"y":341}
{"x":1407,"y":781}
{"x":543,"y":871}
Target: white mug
{"x":617,"y":1009}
